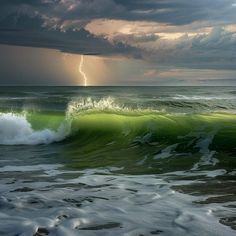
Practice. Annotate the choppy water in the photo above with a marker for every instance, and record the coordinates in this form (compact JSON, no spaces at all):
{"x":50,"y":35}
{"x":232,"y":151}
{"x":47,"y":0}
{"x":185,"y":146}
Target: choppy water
{"x":117,"y":160}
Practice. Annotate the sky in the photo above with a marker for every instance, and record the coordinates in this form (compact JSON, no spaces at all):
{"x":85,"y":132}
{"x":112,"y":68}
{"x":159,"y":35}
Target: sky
{"x":121,"y":42}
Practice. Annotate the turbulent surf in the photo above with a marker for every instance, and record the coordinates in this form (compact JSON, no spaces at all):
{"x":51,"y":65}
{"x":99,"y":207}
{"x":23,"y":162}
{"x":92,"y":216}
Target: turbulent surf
{"x":165,"y":153}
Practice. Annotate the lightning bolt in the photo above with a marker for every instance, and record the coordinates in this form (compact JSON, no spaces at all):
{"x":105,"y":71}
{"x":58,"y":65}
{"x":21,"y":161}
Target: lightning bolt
{"x":81,"y":70}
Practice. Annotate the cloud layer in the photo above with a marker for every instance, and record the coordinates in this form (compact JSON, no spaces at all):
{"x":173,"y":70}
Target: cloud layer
{"x":172,"y":33}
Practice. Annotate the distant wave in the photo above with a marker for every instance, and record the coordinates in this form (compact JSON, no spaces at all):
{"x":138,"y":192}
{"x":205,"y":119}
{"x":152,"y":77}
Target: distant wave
{"x":204,"y":97}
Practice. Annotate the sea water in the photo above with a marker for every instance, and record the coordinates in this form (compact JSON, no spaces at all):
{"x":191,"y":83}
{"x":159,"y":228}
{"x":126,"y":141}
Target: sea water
{"x":117,"y":161}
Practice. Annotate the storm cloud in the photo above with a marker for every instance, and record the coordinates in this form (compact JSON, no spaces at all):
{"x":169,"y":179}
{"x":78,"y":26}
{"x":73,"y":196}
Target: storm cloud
{"x":178,"y":33}
{"x":168,"y":11}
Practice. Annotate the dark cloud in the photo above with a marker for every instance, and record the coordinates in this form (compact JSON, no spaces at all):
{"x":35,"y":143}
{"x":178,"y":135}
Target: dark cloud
{"x":81,"y":42}
{"x":169,"y":11}
{"x":17,"y":2}
{"x":178,"y":12}
{"x":28,"y":31}
{"x":174,"y":12}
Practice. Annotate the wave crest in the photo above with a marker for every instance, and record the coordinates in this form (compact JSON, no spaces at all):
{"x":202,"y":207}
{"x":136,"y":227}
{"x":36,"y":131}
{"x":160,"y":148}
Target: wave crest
{"x":88,"y":103}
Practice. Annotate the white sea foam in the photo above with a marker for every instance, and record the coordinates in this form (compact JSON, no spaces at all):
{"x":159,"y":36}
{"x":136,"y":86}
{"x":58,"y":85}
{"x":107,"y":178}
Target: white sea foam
{"x":16,"y":130}
{"x":106,"y":205}
{"x":166,"y":152}
{"x":203,"y":144}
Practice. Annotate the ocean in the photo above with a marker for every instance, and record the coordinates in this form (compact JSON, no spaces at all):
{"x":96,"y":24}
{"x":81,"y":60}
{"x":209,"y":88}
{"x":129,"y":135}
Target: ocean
{"x":135,"y":161}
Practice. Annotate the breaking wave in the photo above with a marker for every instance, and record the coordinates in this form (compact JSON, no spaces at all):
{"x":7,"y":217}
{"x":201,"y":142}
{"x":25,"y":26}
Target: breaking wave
{"x":15,"y":129}
{"x":105,"y":120}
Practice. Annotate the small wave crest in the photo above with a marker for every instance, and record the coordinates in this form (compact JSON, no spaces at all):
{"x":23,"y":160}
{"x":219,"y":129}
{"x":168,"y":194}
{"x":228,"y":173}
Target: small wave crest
{"x":203,"y":97}
{"x":15,"y":129}
{"x":107,"y":104}
{"x":87,"y":104}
